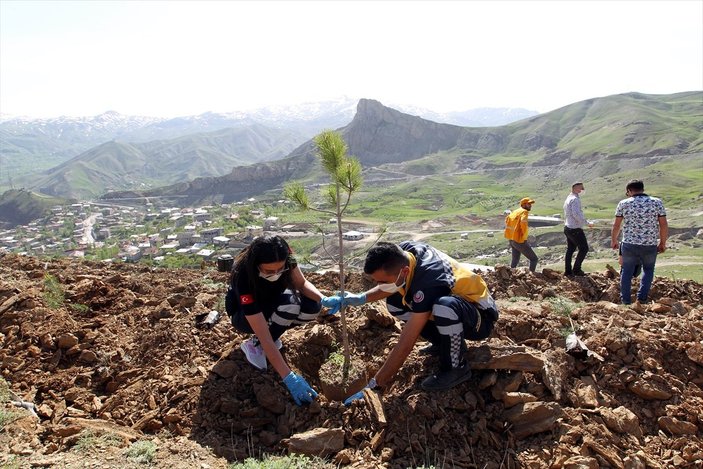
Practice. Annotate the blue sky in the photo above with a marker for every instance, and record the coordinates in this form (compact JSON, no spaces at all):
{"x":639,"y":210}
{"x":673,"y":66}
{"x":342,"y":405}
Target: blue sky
{"x":174,"y":58}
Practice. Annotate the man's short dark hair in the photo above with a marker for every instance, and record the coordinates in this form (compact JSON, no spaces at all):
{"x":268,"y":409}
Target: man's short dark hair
{"x":635,"y":185}
{"x":386,"y":256}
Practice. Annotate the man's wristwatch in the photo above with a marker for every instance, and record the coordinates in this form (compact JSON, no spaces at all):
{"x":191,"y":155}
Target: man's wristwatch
{"x":372,"y":384}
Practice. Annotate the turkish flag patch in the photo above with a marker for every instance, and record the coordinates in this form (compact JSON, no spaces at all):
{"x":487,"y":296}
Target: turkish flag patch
{"x":246,"y":299}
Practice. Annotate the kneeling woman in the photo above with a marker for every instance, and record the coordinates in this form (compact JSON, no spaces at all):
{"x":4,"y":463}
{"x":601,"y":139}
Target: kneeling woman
{"x":268,"y":295}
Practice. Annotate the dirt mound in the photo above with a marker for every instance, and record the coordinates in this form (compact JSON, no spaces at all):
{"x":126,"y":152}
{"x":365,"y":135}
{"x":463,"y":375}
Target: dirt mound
{"x":120,"y":354}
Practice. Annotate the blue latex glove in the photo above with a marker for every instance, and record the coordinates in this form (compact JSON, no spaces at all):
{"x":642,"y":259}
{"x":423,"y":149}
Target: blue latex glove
{"x":360,"y":395}
{"x":354,"y":299}
{"x":354,"y":397}
{"x":299,"y":388}
{"x":334,"y":303}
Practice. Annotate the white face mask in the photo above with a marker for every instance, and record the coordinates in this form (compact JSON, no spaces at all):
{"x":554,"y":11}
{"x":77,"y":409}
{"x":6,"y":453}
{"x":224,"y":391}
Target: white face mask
{"x":391,"y":287}
{"x":271,"y":278}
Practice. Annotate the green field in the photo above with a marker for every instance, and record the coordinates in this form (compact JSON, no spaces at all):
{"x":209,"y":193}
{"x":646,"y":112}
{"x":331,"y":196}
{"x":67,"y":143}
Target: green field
{"x":438,"y":210}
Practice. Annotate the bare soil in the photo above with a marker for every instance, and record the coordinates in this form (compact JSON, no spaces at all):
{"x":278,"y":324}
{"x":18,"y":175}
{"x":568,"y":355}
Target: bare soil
{"x":122,"y":358}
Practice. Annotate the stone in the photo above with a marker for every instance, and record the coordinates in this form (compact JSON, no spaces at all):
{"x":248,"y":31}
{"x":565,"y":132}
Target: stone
{"x":694,"y":351}
{"x":621,"y":420}
{"x":507,"y":382}
{"x":609,"y":454}
{"x":269,"y":399}
{"x":344,"y":457}
{"x":651,"y":387}
{"x":47,"y":341}
{"x":633,"y":461}
{"x":66,"y":341}
{"x":320,"y":442}
{"x":679,"y":309}
{"x":533,"y":417}
{"x":586,"y":396}
{"x":677,"y":427}
{"x":581,"y":462}
{"x":225,"y":368}
{"x":88,"y":356}
{"x":172,"y":418}
{"x":68,"y":430}
{"x":162,"y":311}
{"x":505,"y":358}
{"x":660,"y":308}
{"x":513,"y":398}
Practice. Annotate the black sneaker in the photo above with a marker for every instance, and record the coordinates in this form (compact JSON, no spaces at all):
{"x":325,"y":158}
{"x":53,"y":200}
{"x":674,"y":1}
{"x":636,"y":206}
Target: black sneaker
{"x":432,"y":350}
{"x":579,"y":273}
{"x":443,"y":380}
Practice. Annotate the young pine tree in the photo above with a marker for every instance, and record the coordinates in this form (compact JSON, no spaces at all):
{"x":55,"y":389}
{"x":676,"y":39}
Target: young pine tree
{"x":345,"y":176}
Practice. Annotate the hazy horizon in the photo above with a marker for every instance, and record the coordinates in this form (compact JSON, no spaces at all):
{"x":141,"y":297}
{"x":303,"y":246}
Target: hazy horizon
{"x":168,"y":59}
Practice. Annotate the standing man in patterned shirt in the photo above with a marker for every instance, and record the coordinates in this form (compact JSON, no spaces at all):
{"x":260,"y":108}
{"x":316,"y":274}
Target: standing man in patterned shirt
{"x":574,"y":221}
{"x":645,"y":231}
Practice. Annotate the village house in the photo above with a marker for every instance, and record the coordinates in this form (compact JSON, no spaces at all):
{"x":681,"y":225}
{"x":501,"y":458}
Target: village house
{"x":168,"y":247}
{"x":131,"y":253}
{"x":201,"y":216}
{"x":271,"y":223}
{"x":252,"y":231}
{"x":220,"y":240}
{"x":208,"y":235}
{"x":178,"y":220}
{"x":185,"y":238}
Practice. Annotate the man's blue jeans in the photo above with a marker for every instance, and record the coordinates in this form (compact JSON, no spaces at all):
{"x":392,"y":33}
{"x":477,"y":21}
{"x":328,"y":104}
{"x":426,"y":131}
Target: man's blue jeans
{"x":633,"y":254}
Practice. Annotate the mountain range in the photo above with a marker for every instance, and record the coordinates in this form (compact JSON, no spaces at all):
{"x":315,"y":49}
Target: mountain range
{"x":595,"y":137}
{"x":85,"y":157}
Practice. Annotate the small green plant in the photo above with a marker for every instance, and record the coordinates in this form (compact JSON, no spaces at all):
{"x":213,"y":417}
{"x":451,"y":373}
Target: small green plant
{"x":220,"y":304}
{"x":4,"y":391}
{"x":563,"y":306}
{"x":80,"y":308}
{"x":336,"y":358}
{"x":53,"y":293}
{"x":515,"y":299}
{"x":294,"y":461}
{"x":86,"y":441}
{"x":89,"y":440}
{"x":12,"y":463}
{"x":211,"y":285}
{"x":142,"y":451}
{"x":6,"y":416}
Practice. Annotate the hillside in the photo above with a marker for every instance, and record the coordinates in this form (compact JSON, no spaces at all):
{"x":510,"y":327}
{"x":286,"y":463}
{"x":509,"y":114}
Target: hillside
{"x":110,"y":354}
{"x":19,"y":206}
{"x":32,"y":145}
{"x":120,"y":165}
{"x":596,"y":138}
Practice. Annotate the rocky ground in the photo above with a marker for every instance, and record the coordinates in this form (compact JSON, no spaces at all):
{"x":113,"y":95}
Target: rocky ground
{"x":110,"y":355}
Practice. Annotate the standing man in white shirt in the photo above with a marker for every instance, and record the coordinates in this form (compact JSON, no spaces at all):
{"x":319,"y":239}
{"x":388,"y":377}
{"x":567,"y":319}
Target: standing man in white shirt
{"x":574,"y":221}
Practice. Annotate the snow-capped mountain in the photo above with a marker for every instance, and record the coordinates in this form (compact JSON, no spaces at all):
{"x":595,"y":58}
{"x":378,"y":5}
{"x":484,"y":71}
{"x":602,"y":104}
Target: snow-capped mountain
{"x":479,"y":117}
{"x":29,"y":145}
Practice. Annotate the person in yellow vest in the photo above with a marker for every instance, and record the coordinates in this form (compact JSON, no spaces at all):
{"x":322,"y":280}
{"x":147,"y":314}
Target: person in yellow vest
{"x":516,"y":234}
{"x":437,"y":298}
